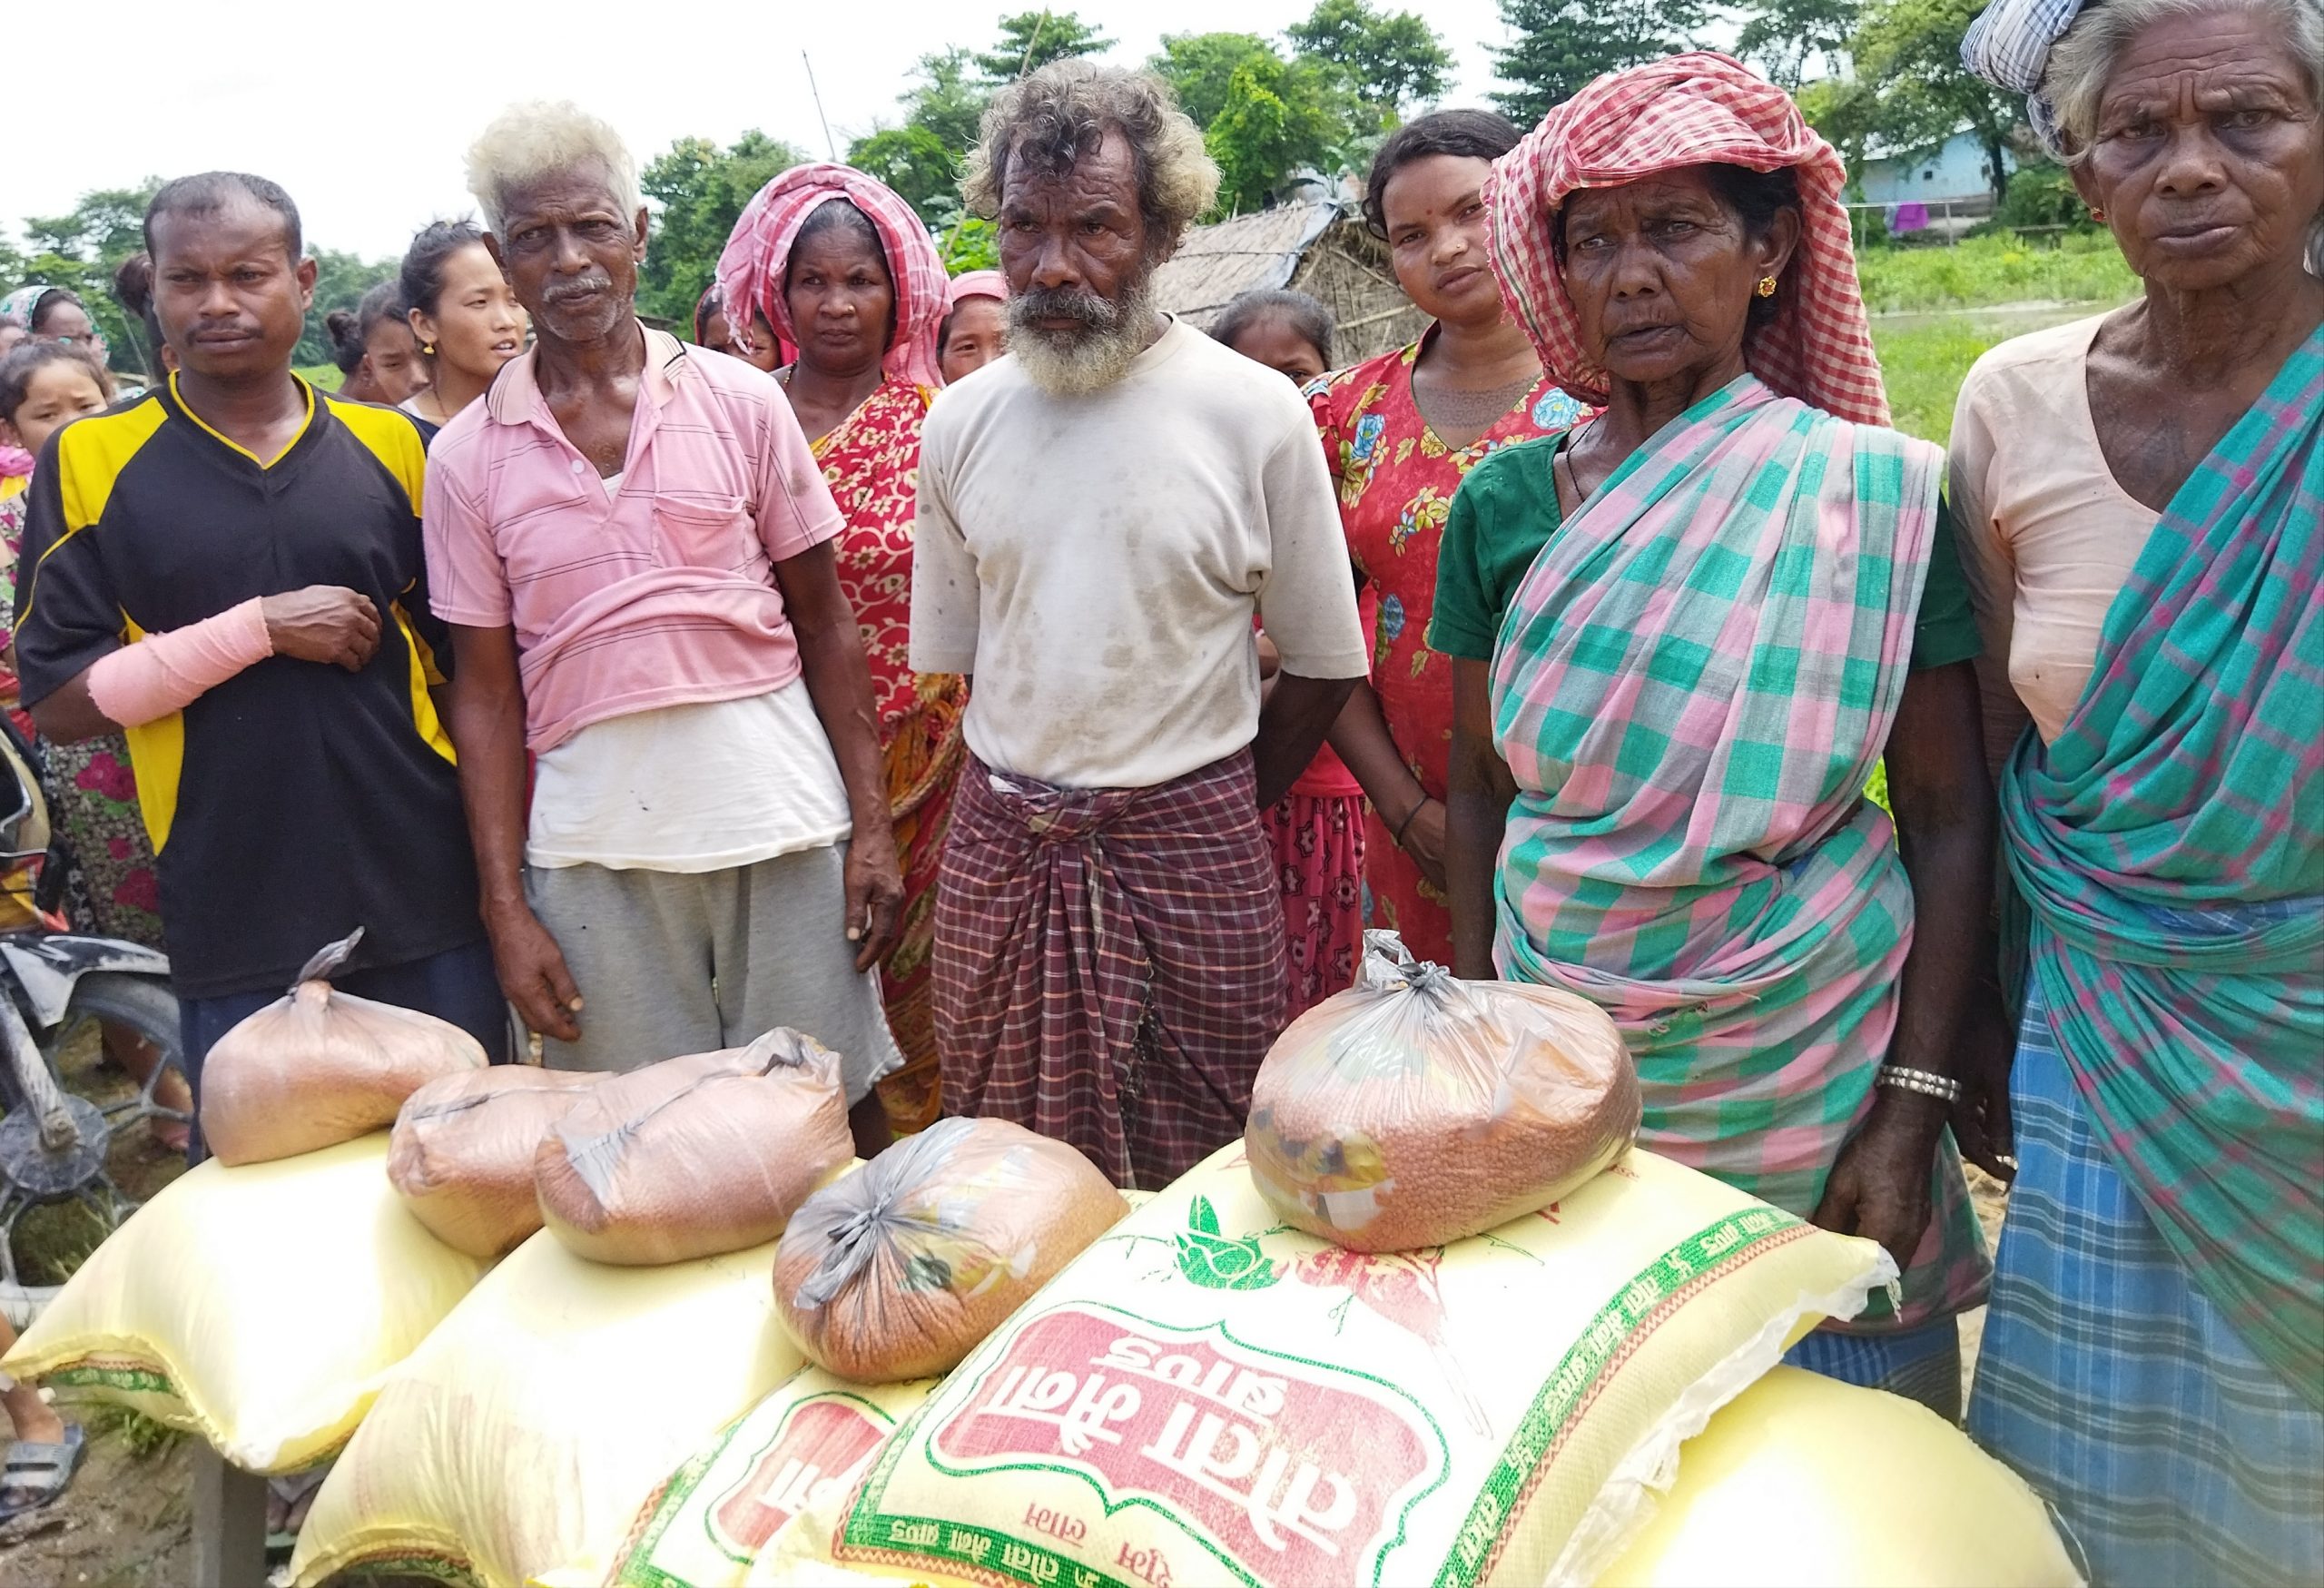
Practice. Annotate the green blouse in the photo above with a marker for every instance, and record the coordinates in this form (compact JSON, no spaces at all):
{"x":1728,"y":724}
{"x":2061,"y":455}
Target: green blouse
{"x":1507,"y":509}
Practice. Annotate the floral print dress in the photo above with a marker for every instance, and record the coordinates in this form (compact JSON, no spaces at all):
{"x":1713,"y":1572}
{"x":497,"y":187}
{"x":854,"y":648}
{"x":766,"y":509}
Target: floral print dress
{"x":871,"y":463}
{"x":1396,"y":480}
{"x":91,"y":794}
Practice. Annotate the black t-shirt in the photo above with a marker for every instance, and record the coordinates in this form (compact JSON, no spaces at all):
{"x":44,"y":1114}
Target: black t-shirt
{"x":296,"y":800}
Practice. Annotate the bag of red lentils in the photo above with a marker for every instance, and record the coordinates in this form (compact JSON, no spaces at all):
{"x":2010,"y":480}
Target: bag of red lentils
{"x":1417,"y":1108}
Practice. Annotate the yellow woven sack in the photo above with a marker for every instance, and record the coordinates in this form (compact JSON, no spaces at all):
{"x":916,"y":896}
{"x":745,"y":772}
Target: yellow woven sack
{"x":1205,"y":1396}
{"x":521,"y":1437}
{"x":259,"y":1308}
{"x":1803,"y":1481}
{"x":806,"y":1443}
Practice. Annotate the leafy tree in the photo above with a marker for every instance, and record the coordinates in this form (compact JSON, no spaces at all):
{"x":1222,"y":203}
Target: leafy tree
{"x":917,"y":163}
{"x":1908,"y":55}
{"x":1561,"y":44}
{"x":1201,"y":67}
{"x":1031,"y":40}
{"x":341,"y":281}
{"x":969,"y":243}
{"x":1784,"y":37}
{"x":1278,"y":118}
{"x":1392,"y":59}
{"x":948,"y":101}
{"x":79,"y":251}
{"x":702,"y":190}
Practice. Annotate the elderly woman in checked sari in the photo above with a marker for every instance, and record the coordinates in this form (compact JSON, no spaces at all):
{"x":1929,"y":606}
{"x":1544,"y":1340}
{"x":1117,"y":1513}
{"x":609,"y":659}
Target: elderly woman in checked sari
{"x":840,"y":268}
{"x":1718,"y":603}
{"x":2141,"y":502}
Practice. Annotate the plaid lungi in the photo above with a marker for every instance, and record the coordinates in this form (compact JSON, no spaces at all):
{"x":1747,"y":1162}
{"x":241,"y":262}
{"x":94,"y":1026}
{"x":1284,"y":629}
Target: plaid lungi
{"x":1109,"y":963}
{"x":2116,"y":1387}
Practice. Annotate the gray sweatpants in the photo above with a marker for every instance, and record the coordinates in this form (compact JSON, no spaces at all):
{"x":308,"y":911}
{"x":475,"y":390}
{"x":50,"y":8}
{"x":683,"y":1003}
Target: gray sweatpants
{"x":671,"y":962}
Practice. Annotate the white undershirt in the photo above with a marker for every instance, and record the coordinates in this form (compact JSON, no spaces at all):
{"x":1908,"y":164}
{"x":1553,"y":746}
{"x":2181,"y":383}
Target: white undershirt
{"x":690,"y":788}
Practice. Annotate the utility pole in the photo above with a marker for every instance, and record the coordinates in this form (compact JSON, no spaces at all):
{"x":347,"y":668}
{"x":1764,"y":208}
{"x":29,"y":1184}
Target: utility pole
{"x":830,"y":147}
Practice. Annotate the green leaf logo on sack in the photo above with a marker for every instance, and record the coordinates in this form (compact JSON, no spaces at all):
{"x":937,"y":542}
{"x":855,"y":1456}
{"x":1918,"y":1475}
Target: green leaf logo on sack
{"x":819,"y":1447}
{"x":1209,"y":1259}
{"x":1256,"y":1455}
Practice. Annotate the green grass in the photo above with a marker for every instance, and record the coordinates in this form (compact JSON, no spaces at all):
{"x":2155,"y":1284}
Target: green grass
{"x":140,"y":1434}
{"x":1924,"y":365}
{"x":2080,"y":268}
{"x":326,"y":376}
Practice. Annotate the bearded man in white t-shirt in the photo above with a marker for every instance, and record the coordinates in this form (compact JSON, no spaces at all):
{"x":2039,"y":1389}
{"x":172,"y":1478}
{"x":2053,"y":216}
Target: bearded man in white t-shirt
{"x":1102,"y":516}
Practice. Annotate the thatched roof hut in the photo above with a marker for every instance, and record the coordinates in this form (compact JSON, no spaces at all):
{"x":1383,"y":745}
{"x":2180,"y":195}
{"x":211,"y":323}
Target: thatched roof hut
{"x":1320,"y":247}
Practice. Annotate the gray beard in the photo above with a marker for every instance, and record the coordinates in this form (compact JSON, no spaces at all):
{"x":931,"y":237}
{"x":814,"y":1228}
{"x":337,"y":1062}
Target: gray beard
{"x":1077,"y":363}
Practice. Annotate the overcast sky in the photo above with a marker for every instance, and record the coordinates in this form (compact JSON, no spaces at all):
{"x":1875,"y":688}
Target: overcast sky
{"x":363,"y":112}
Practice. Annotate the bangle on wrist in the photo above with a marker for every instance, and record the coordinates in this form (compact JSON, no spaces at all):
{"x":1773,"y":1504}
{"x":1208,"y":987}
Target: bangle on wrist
{"x":1405,"y":827}
{"x":1926,"y":1082}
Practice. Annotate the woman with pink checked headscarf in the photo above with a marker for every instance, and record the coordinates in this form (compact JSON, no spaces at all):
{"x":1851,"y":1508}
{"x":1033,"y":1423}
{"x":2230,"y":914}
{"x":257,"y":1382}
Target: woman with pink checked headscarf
{"x":1716,"y":605}
{"x":841,"y":269}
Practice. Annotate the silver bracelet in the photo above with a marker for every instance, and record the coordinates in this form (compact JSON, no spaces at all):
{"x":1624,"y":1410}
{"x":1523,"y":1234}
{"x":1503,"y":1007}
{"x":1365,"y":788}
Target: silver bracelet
{"x":1920,"y":1080}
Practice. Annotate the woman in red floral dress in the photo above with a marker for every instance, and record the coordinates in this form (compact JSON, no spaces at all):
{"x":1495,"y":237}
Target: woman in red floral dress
{"x":844,"y":271}
{"x":1400,"y":433}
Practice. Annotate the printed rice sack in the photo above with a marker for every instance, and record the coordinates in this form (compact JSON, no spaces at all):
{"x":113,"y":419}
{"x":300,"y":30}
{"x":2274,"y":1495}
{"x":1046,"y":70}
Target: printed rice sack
{"x":318,"y":1067}
{"x":258,"y":1307}
{"x":1802,"y":1480}
{"x":462,"y":1149}
{"x":901,"y":1268}
{"x":804,"y":1444}
{"x":709,"y":1153}
{"x":1416,"y":1108}
{"x":1205,"y":1397}
{"x":521,"y":1437}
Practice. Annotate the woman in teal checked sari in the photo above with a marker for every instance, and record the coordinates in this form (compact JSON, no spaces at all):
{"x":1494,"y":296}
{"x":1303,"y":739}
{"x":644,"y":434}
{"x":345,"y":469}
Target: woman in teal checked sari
{"x":1726,"y":597}
{"x":2141,"y":500}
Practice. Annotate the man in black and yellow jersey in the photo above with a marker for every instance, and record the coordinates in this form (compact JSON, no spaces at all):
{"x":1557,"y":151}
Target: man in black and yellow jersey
{"x":230,"y":567}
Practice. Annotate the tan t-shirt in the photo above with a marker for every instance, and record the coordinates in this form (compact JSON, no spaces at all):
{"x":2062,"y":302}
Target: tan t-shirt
{"x":1095,"y":562}
{"x":2047,"y":537}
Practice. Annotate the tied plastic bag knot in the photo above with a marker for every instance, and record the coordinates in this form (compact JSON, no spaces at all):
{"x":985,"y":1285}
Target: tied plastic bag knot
{"x":897,"y":1271}
{"x":329,"y":960}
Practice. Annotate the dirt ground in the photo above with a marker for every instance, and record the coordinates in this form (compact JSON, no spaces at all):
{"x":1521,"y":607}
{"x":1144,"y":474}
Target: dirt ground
{"x":125,"y":1523}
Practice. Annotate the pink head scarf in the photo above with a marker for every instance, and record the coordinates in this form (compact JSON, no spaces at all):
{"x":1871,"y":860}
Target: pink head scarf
{"x":1694,"y":109}
{"x":750,"y":271}
{"x":977,"y":284}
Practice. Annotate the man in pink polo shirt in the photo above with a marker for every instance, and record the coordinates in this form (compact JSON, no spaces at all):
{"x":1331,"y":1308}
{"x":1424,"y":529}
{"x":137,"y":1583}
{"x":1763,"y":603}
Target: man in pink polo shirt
{"x":633,"y":547}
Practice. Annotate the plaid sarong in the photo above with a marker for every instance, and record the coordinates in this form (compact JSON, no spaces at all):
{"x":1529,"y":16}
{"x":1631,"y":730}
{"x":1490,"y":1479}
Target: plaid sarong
{"x":2190,"y":780}
{"x":1691,"y":686}
{"x":2115,"y":1387}
{"x":1109,"y":963}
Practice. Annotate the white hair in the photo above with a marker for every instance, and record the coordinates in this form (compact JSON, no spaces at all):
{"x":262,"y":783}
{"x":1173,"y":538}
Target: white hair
{"x":544,"y":138}
{"x":2081,"y":62}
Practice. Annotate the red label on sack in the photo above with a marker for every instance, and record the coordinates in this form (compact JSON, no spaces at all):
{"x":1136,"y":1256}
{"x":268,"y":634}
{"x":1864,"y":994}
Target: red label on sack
{"x":819,"y":1446}
{"x":1300,"y":1472}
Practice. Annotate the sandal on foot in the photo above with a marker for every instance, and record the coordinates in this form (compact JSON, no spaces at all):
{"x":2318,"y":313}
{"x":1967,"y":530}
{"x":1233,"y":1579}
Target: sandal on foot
{"x":35,"y":1473}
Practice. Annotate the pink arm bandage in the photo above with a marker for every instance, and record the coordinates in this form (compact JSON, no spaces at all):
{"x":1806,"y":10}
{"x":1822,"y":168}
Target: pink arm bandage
{"x":165,"y":673}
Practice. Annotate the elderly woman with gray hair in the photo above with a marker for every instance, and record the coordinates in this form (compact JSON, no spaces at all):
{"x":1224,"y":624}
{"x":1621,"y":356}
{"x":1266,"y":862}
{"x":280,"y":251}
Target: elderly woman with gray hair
{"x":2140,"y":499}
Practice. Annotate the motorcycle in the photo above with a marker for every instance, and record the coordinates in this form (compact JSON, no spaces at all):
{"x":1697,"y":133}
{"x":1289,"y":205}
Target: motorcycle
{"x":57,"y":1146}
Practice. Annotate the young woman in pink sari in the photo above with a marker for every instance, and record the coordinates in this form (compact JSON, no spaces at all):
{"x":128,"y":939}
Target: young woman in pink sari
{"x":839,"y":267}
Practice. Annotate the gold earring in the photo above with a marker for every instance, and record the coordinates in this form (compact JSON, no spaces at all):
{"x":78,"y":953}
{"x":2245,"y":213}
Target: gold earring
{"x":1767,"y":288}
{"x":427,"y":348}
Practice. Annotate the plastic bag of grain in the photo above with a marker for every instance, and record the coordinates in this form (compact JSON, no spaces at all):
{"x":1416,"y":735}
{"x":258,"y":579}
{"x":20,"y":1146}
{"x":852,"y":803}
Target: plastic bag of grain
{"x":258,"y":1307}
{"x":709,"y":1153}
{"x":520,"y":1438}
{"x":1416,"y":1108}
{"x":1804,"y":1482}
{"x":901,"y":1268}
{"x":463,"y":1149}
{"x":1203,"y":1395}
{"x":804,"y":1444}
{"x":318,"y":1067}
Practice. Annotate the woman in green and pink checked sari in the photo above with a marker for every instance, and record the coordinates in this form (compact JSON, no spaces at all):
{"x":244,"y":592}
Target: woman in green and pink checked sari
{"x":1744,"y":592}
{"x":2141,"y":500}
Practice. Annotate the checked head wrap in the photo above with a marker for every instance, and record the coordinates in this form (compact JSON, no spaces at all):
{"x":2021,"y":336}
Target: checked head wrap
{"x":2009,"y":46}
{"x":751,"y":270}
{"x":1695,"y":109}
